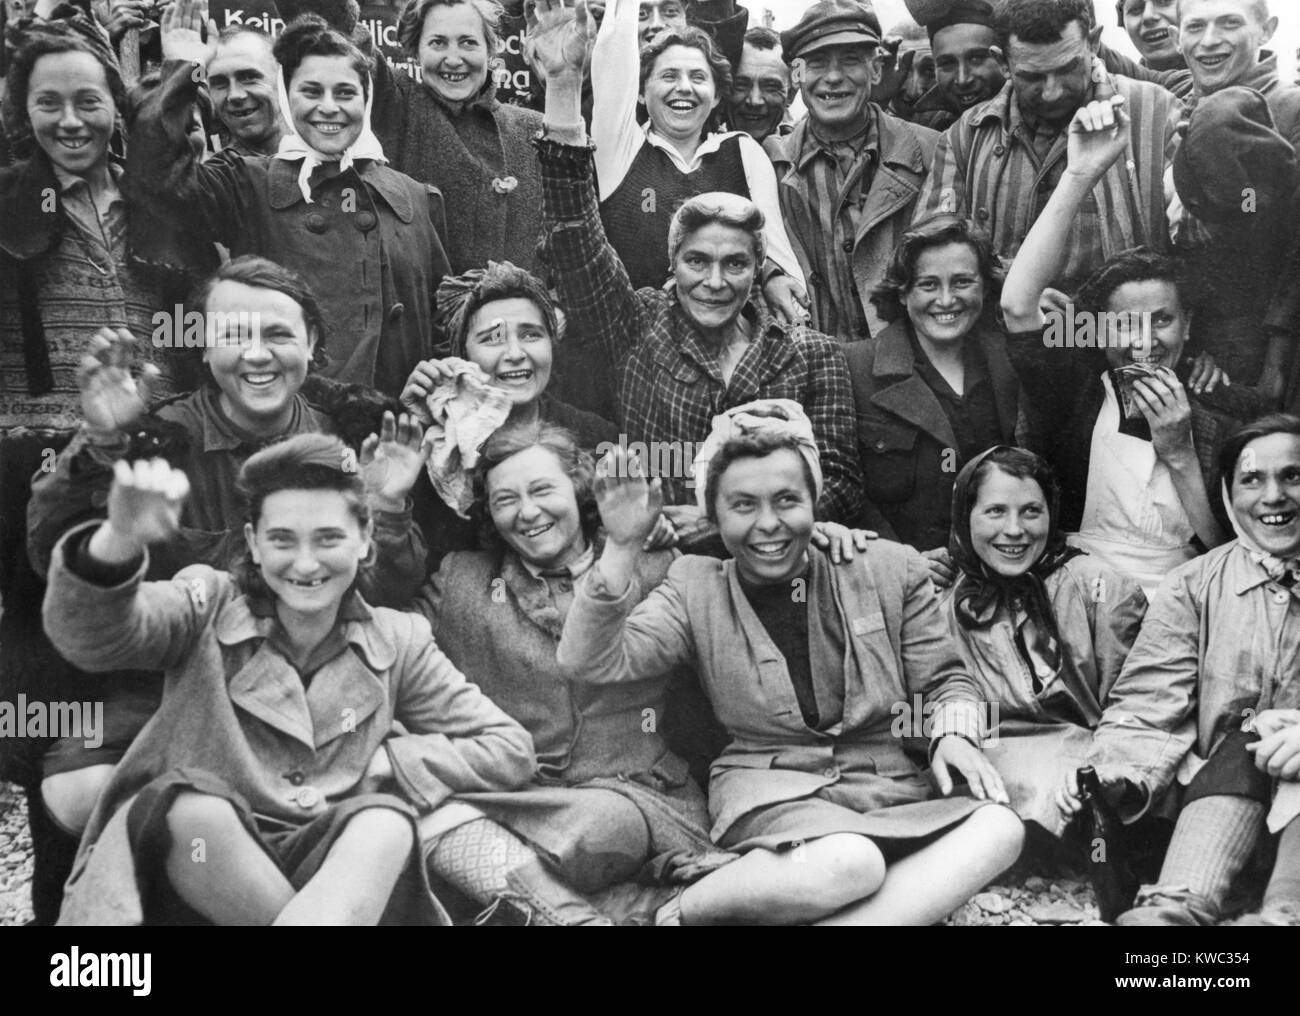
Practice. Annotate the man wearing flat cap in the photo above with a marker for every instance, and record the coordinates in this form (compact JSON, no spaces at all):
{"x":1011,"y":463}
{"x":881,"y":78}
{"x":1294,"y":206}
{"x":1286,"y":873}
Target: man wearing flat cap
{"x":968,"y":62}
{"x":849,"y":173}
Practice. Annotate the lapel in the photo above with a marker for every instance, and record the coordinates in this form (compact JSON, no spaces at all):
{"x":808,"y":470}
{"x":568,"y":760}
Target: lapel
{"x":532,"y":596}
{"x":776,"y":690}
{"x":1006,"y":386}
{"x":907,"y":397}
{"x":344,"y":692}
{"x":343,"y":695}
{"x":898,"y":178}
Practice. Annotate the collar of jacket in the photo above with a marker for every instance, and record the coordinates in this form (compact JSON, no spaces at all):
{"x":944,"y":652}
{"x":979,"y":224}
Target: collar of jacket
{"x":238,"y":623}
{"x":897,"y":143}
{"x":901,"y":391}
{"x":689,"y":345}
{"x":218,"y":433}
{"x":27,"y":228}
{"x":485,"y":102}
{"x":532,"y":593}
{"x":283,"y":189}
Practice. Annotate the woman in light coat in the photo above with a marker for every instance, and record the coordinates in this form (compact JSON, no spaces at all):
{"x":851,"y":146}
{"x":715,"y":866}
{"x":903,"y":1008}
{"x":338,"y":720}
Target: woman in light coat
{"x":817,"y":671}
{"x":1044,"y":627}
{"x":274,"y":747}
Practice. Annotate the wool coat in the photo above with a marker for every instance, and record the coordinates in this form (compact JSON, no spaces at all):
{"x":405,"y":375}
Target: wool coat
{"x":234,"y":706}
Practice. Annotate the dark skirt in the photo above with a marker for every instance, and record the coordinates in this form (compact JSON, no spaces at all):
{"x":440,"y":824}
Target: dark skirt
{"x":297,"y":850}
{"x":852,"y":805}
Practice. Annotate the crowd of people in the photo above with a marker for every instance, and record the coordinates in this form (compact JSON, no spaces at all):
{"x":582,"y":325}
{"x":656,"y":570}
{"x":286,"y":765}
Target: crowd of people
{"x":649,"y":499}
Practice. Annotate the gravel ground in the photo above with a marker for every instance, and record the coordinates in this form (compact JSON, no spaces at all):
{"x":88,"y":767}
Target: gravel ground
{"x":15,"y":857}
{"x":1019,"y":897}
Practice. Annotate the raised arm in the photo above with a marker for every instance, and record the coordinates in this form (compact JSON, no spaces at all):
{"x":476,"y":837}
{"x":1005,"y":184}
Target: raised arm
{"x":112,"y":402}
{"x":163,"y":172}
{"x":614,"y":81}
{"x":98,"y":613}
{"x":1098,"y":136}
{"x":607,"y":636}
{"x":593,"y":286}
{"x":391,"y":462}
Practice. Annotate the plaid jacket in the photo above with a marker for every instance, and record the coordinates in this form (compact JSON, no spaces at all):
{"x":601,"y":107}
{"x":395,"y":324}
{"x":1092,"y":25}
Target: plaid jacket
{"x":985,"y":168}
{"x":669,"y":382}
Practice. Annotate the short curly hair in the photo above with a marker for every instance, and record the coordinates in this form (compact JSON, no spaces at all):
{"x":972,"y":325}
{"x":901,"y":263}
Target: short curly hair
{"x":512,"y":439}
{"x":935,"y":231}
{"x":693,"y":38}
{"x":1139,"y":264}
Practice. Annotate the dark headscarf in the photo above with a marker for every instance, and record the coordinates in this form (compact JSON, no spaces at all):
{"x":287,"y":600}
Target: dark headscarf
{"x":980,"y":591}
{"x":459,"y":296}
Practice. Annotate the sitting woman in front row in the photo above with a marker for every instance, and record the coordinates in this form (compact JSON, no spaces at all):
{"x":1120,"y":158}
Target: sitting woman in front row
{"x":274,"y":746}
{"x":611,"y":801}
{"x":1045,"y":627}
{"x":1221,"y":646}
{"x":805,"y":663}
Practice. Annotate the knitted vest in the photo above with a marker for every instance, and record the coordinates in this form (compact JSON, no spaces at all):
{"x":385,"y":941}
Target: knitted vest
{"x":637,"y":215}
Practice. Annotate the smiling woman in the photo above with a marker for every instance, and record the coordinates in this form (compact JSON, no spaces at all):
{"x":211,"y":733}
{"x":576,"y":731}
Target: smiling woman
{"x":611,"y":802}
{"x":645,"y":173}
{"x":936,"y":388}
{"x":326,"y":205}
{"x":314,"y":833}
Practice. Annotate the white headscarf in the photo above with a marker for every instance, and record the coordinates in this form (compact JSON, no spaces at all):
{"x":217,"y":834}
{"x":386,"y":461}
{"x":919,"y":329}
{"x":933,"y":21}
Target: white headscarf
{"x":293,"y":147}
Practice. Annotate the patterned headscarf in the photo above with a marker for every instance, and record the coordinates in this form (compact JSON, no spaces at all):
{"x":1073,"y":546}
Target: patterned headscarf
{"x":980,"y":590}
{"x":459,"y":296}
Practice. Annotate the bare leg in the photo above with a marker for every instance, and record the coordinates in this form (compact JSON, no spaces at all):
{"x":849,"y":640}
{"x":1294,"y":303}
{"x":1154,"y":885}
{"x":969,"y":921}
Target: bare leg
{"x":791,"y":887}
{"x":354,"y":883}
{"x":927,"y":886}
{"x":70,"y":797}
{"x":218,"y":868}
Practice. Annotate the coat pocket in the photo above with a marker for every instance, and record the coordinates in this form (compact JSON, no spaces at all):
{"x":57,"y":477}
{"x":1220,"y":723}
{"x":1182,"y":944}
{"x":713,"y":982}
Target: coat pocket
{"x":888,"y":460}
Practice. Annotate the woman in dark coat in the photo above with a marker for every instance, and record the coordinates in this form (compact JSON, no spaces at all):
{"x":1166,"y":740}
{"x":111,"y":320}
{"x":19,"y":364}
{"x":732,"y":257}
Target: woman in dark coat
{"x":327,"y":206}
{"x":935,"y":388}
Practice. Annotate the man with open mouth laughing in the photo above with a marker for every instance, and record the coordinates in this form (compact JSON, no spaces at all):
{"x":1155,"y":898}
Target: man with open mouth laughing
{"x":1223,"y":43}
{"x":840,"y":162}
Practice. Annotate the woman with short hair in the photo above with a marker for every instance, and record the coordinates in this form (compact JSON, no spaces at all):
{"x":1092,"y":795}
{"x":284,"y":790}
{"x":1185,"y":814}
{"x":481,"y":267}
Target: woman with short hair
{"x":274,"y":745}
